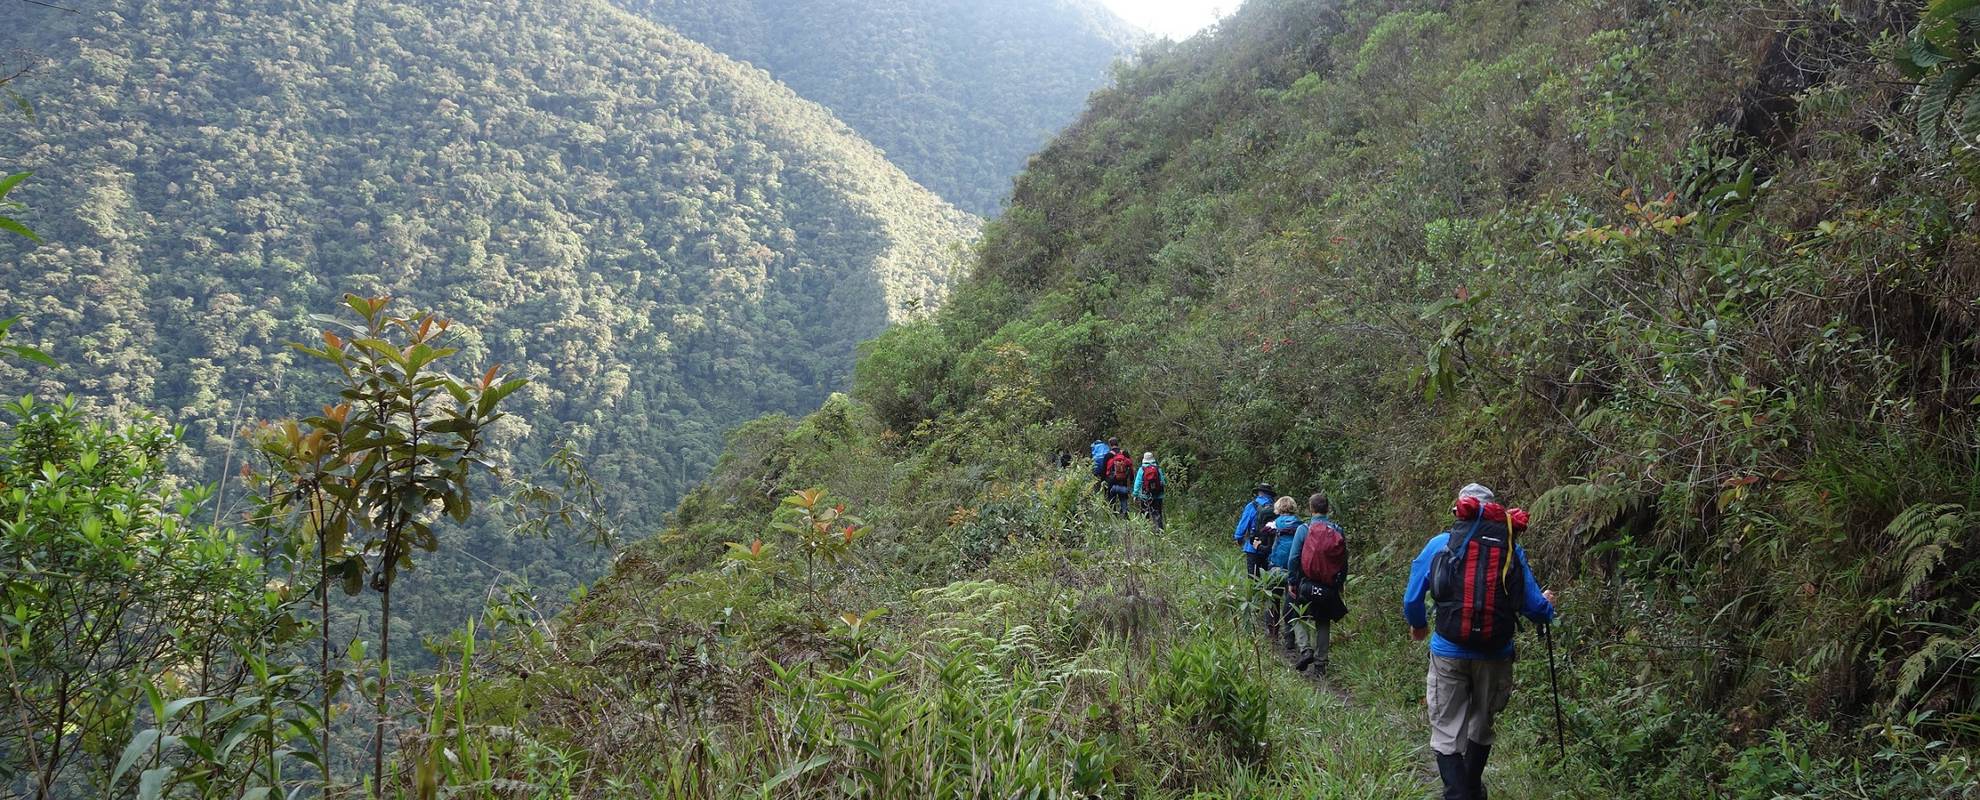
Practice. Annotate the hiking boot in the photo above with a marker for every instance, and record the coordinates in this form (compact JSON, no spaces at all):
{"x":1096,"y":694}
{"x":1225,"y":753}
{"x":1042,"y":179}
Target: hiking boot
{"x":1457,"y":779}
{"x":1305,"y":660}
{"x":1475,"y":755}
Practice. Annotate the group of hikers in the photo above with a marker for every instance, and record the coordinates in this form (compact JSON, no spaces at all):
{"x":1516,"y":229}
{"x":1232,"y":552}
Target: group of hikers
{"x":1474,"y":573}
{"x":1126,"y":485}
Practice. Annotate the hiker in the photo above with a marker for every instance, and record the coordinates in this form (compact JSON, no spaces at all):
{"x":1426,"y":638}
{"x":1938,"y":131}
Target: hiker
{"x":1284,"y":524}
{"x":1477,"y":590}
{"x":1119,"y":474}
{"x":1100,"y":452}
{"x":1316,"y":582}
{"x":1149,"y":484}
{"x":1256,"y":513}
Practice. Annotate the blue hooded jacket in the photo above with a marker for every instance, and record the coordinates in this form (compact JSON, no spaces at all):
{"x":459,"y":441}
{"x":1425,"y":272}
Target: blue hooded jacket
{"x":1282,"y":548}
{"x":1533,"y":604}
{"x":1261,"y":504}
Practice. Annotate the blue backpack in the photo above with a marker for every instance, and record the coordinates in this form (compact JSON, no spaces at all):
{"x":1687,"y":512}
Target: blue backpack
{"x":1100,"y":451}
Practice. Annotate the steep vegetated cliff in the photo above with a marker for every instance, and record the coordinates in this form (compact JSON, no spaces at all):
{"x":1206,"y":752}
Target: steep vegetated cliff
{"x":664,"y":241}
{"x":958,"y":93}
{"x":1682,"y":277}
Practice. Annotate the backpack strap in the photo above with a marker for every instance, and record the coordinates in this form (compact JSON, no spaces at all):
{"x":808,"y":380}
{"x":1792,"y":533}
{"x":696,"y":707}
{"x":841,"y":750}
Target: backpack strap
{"x":1459,"y":551}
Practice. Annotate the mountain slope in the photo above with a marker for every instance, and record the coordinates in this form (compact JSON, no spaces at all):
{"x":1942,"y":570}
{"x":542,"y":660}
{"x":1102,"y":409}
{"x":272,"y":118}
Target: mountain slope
{"x":1682,"y":278}
{"x":958,"y":93}
{"x":664,"y":241}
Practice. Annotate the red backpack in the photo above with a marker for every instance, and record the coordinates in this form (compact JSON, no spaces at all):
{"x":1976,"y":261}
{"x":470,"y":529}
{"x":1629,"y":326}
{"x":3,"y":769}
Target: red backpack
{"x":1119,"y":469}
{"x":1323,"y":555}
{"x":1151,"y":480}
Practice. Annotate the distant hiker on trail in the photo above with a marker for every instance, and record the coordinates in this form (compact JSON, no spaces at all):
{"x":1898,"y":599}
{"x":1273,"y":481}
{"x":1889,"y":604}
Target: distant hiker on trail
{"x":1119,"y":474}
{"x":1149,"y":484}
{"x":1281,"y":528}
{"x":1477,"y":575}
{"x":1100,"y":452}
{"x":1315,"y":584}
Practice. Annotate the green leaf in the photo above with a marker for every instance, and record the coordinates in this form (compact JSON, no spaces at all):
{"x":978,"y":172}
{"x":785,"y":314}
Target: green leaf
{"x":1947,"y":9}
{"x":151,"y":784}
{"x":8,"y":183}
{"x":173,"y":708}
{"x":353,"y":576}
{"x":7,"y":224}
{"x":794,"y":771}
{"x":1920,"y":54}
{"x":31,"y":354}
{"x":495,"y":395}
{"x":1935,"y":99}
{"x":140,"y":744}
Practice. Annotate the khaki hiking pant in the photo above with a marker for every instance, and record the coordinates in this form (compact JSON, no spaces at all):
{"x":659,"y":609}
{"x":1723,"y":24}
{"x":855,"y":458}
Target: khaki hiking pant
{"x":1311,"y":633}
{"x":1464,"y":695}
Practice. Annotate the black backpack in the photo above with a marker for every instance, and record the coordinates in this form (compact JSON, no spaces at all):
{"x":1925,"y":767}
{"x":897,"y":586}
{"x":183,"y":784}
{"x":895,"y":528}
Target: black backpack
{"x":1262,"y":535}
{"x":1478,"y":586}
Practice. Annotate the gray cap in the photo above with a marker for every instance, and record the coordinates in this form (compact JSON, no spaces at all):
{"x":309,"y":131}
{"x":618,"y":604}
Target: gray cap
{"x":1477,"y":490}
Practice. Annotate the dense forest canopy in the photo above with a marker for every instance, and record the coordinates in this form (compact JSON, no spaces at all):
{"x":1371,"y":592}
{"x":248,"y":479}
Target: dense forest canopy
{"x":665,"y":242}
{"x":958,"y":93}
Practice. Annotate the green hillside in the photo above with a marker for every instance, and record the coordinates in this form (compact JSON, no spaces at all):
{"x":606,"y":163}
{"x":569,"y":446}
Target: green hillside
{"x":957,"y":93}
{"x":1692,"y":281}
{"x":663,"y":241}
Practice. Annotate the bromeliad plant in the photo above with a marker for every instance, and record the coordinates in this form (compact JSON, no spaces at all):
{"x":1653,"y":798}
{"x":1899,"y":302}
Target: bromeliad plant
{"x":407,"y":438}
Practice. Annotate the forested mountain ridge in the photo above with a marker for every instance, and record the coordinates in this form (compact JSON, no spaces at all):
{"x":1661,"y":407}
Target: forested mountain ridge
{"x":958,"y":93}
{"x":1693,"y":281}
{"x":663,"y":241}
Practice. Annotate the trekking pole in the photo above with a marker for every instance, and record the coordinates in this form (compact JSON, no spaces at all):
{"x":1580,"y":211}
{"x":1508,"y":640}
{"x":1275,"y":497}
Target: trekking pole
{"x":1560,"y":737}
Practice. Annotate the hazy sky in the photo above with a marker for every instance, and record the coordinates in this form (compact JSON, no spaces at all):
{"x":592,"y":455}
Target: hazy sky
{"x":1175,"y":18}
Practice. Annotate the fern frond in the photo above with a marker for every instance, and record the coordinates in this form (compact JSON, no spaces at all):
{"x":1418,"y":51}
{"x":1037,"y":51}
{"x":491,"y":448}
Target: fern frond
{"x":1582,"y":505}
{"x":1920,"y":664}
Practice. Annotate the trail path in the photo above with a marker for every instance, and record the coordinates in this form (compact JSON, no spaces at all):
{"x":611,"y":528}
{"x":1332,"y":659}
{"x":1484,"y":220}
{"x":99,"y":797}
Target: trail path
{"x":1369,"y":709}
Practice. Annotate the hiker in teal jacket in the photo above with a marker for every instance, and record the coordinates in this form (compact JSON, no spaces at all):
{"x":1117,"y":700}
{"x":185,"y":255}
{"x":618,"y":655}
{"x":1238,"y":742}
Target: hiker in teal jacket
{"x":1150,"y":483}
{"x":1280,"y":530}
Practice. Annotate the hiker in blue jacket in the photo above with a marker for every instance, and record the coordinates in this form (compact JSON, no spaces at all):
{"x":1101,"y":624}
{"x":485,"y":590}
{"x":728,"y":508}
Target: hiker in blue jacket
{"x":1150,"y":483}
{"x":1100,"y":450}
{"x":1257,"y":512}
{"x":1476,"y":593}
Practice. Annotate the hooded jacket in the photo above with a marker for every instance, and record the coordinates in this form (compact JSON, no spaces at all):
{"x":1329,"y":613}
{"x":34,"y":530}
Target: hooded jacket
{"x":1282,"y":548}
{"x":1261,"y":505}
